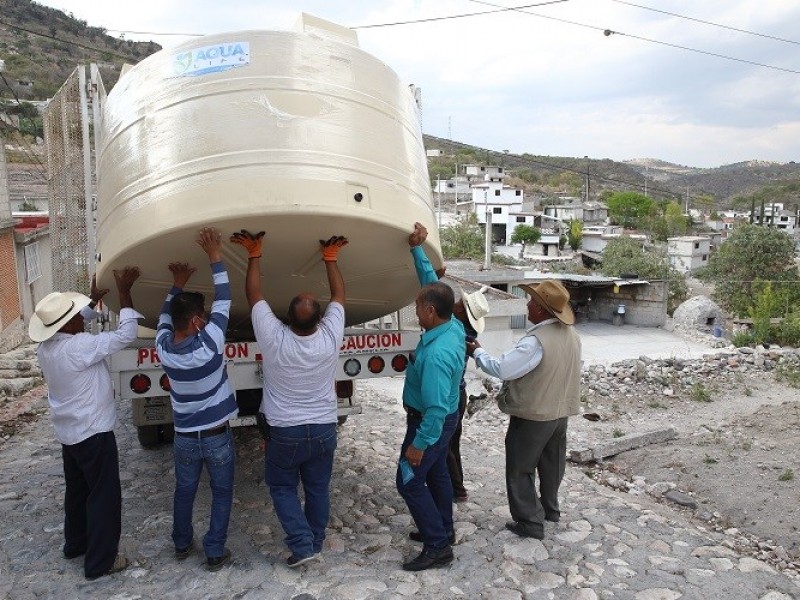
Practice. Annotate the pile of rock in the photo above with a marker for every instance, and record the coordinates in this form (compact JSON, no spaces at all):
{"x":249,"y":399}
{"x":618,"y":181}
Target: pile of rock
{"x":19,"y":371}
{"x":671,"y":376}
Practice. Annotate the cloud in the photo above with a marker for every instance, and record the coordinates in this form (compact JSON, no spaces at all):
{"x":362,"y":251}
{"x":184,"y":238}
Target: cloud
{"x":552,"y":83}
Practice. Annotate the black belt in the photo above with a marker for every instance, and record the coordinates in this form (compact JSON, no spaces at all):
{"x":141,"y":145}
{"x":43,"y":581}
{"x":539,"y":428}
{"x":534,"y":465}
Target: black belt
{"x":203,"y":433}
{"x":412,"y":412}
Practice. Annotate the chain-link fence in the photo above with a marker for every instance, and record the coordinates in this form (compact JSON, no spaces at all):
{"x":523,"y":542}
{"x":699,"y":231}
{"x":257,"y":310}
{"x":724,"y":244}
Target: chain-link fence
{"x":66,"y":136}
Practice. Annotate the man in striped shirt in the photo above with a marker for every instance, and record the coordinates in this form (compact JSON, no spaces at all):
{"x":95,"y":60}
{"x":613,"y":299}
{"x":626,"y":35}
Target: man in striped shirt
{"x":191,"y":351}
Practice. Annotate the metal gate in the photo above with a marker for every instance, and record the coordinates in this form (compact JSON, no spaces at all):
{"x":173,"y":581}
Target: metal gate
{"x":518,"y":321}
{"x":69,"y":147}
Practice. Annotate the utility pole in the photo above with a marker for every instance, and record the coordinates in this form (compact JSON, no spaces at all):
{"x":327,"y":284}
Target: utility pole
{"x":439,"y":200}
{"x":586,"y":197}
{"x":487,"y":256}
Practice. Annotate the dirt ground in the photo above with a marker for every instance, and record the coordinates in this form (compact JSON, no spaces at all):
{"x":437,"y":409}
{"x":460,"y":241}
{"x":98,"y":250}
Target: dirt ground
{"x":737,"y":453}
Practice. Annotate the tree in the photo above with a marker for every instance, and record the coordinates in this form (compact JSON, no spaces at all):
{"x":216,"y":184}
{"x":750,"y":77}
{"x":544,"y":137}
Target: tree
{"x":677,"y":223}
{"x":463,"y":239}
{"x":751,"y":257}
{"x":629,"y":209}
{"x":525,"y":234}
{"x":575,"y":234}
{"x":624,"y":255}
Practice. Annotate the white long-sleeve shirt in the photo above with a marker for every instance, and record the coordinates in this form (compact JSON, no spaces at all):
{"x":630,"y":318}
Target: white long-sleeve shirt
{"x":513,"y":364}
{"x":78,"y":379}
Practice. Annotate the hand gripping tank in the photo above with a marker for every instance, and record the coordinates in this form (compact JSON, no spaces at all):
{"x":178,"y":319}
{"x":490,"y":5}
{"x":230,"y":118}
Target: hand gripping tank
{"x":299,"y":134}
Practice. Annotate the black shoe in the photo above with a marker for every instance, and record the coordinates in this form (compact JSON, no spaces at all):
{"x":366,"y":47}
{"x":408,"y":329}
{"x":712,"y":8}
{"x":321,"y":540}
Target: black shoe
{"x":417,"y":537}
{"x":521,"y":531}
{"x":295,"y":561}
{"x":215,"y":563}
{"x":430,"y":559}
{"x":71,"y":555}
{"x":553,"y":517}
{"x":183,"y":553}
{"x":460,"y":498}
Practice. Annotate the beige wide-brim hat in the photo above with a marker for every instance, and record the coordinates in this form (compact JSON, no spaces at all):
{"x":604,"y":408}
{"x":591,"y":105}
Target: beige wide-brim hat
{"x":553,"y":297}
{"x":477,"y":307}
{"x":52,"y":313}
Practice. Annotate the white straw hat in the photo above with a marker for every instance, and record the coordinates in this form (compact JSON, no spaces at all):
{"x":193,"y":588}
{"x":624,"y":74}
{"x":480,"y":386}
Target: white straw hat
{"x":52,"y":313}
{"x":477,"y":308}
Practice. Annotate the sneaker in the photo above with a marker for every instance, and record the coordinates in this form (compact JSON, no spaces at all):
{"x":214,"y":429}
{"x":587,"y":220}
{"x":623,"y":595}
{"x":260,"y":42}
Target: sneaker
{"x":294,"y":561}
{"x":183,"y":553}
{"x":120,"y":564}
{"x":215,"y":563}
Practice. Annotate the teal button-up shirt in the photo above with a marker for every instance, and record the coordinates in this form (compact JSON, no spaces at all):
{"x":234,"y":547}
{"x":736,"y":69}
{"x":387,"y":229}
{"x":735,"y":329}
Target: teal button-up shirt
{"x":432,"y":381}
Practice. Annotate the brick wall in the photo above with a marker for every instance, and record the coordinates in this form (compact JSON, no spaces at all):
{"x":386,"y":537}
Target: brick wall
{"x":645,"y":305}
{"x":9,"y":291}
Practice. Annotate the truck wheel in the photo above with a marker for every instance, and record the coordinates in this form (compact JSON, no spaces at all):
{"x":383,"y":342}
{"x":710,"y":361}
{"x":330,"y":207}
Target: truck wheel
{"x":149,"y":435}
{"x":341,"y":420}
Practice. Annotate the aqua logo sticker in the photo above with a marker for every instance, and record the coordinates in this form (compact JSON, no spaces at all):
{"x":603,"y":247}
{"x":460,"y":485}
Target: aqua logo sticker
{"x":211,"y":59}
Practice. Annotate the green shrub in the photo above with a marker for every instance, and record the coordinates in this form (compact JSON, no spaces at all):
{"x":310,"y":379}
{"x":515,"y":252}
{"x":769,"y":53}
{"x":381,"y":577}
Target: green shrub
{"x":701,"y":393}
{"x":742,"y":338}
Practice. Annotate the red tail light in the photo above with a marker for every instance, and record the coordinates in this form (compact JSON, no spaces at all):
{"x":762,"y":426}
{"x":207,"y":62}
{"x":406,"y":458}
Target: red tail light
{"x":140,"y":383}
{"x":164,"y":383}
{"x":399,"y":363}
{"x":376,"y":364}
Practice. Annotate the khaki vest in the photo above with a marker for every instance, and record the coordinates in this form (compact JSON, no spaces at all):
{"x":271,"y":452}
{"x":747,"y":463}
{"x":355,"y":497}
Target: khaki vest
{"x":552,"y":390}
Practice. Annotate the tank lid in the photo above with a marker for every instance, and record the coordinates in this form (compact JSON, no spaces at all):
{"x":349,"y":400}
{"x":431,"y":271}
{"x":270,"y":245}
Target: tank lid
{"x":310,"y":24}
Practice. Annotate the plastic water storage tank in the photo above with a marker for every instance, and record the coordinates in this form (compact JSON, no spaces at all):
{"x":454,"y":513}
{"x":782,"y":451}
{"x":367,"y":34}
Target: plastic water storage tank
{"x":300,"y":134}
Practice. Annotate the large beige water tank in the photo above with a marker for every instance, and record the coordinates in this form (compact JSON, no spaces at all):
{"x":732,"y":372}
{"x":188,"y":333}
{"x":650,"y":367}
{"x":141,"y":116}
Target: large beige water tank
{"x":297,"y":133}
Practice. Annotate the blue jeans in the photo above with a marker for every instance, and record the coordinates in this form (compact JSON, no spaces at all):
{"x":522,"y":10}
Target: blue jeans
{"x":301,"y":453}
{"x":429,"y":495}
{"x":217,"y":454}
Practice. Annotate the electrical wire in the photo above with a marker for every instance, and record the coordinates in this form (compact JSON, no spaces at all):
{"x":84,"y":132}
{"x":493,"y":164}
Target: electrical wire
{"x":671,"y":14}
{"x":608,"y":32}
{"x":629,"y":184}
{"x":24,"y":141}
{"x":63,"y":41}
{"x":448,"y":17}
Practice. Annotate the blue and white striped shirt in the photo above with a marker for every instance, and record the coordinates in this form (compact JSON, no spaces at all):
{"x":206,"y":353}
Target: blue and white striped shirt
{"x":201,"y":395}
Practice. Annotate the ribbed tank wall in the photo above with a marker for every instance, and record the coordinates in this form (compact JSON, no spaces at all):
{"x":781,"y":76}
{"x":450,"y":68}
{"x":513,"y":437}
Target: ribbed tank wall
{"x":307,"y":138}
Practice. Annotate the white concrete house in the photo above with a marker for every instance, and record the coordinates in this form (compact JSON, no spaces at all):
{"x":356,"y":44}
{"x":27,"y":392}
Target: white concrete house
{"x":502,"y":204}
{"x":688,"y":253}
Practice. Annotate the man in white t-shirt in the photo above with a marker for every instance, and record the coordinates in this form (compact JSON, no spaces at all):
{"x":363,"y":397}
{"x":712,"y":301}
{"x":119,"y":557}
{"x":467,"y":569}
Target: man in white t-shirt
{"x":299,"y":403}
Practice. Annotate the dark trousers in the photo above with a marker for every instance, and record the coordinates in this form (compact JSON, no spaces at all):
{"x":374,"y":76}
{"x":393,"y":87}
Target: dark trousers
{"x":535,"y":447}
{"x":429,"y":495}
{"x":454,"y":451}
{"x":92,"y":502}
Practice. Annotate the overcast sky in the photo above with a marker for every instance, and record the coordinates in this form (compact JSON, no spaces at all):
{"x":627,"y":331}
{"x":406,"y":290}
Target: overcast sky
{"x":532,"y":83}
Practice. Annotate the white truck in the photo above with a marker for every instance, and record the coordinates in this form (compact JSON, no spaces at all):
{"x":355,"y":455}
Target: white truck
{"x":300,"y":134}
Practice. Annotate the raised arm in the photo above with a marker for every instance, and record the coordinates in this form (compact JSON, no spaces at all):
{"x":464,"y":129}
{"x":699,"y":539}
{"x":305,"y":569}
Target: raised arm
{"x":330,"y":254}
{"x":252,"y":282}
{"x":423,"y":266}
{"x":210,"y":241}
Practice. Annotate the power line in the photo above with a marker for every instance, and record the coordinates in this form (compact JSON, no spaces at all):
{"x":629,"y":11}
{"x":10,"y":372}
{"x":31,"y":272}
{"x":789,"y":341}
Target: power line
{"x":446,"y":18}
{"x":608,"y":32}
{"x":24,"y":141}
{"x":63,"y":41}
{"x":553,"y":167}
{"x":747,"y":31}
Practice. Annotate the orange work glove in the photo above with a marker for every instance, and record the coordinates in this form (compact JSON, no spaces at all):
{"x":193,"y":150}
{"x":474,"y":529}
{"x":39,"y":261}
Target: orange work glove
{"x":251,"y":243}
{"x":330,"y":249}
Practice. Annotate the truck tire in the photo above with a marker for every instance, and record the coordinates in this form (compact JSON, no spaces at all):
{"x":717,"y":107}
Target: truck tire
{"x":149,"y":435}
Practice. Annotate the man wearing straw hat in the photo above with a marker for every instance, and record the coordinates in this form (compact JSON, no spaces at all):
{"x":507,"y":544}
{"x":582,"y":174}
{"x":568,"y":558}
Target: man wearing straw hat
{"x":541,"y":389}
{"x":83,"y":413}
